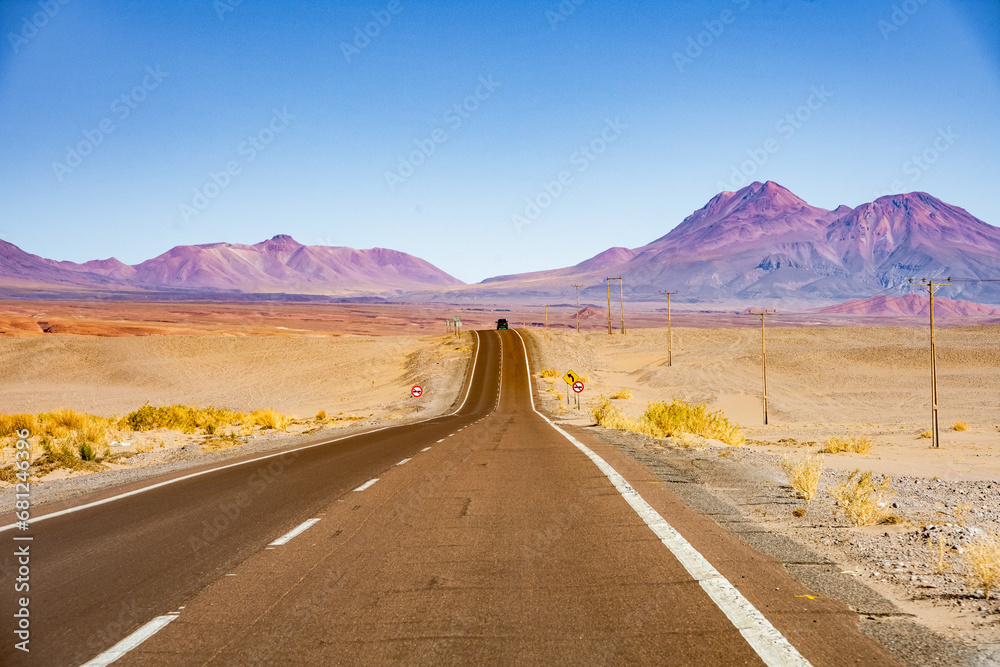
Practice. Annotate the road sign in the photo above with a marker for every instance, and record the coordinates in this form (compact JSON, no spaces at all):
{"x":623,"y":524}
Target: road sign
{"x":570,"y":377}
{"x":578,"y":386}
{"x":417,"y":391}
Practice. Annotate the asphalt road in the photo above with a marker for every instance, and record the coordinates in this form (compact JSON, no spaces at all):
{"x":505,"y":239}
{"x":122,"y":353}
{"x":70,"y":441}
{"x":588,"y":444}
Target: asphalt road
{"x":491,"y":536}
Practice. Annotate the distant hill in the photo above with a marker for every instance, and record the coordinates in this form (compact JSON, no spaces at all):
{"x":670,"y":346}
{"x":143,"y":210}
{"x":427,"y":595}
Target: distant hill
{"x":764,"y":245}
{"x":915,"y":305}
{"x":279,"y":265}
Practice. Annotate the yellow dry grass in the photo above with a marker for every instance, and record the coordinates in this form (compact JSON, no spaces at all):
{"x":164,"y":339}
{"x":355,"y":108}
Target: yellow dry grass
{"x":804,"y":475}
{"x":960,"y":426}
{"x":663,"y":420}
{"x":863,"y":501}
{"x":982,"y":556}
{"x":851,"y":444}
{"x":621,"y":394}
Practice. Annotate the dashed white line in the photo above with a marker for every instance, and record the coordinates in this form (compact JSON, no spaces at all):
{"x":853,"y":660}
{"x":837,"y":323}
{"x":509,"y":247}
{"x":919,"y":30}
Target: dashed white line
{"x":403,"y":461}
{"x":764,"y":638}
{"x":132,"y":641}
{"x":366,"y":484}
{"x":426,"y":448}
{"x":441,"y":440}
{"x":298,"y":530}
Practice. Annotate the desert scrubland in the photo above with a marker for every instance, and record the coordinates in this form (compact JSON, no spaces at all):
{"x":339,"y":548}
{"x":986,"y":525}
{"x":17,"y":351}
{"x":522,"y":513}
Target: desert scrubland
{"x":278,"y":385}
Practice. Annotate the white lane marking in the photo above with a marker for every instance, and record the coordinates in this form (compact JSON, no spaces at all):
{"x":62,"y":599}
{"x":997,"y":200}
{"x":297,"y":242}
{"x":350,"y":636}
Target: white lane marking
{"x":168,"y":482}
{"x":402,"y":462}
{"x":298,"y":530}
{"x":366,"y":484}
{"x":764,"y":638}
{"x":132,"y":641}
{"x":441,"y":440}
{"x":425,"y":449}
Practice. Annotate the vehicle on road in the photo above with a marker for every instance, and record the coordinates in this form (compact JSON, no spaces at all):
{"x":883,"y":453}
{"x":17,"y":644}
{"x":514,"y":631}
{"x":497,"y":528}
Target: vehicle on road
{"x":501,"y":324}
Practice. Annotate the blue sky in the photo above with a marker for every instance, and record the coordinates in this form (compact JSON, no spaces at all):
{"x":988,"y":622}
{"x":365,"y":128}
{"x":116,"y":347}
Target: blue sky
{"x":485,"y":137}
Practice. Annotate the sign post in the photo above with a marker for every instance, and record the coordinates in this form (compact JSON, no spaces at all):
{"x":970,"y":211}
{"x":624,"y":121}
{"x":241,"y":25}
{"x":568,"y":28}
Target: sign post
{"x":578,"y":389}
{"x":417,"y":391}
{"x":569,"y":379}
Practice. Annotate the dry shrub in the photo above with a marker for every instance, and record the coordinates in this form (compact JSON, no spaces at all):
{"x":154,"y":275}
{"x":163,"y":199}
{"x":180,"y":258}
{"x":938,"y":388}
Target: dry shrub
{"x":662,"y":420}
{"x":983,"y":558}
{"x":621,"y":394}
{"x":927,"y":434}
{"x":11,"y":424}
{"x":184,"y":418}
{"x":550,"y":373}
{"x":804,"y":475}
{"x":270,"y":419}
{"x":960,"y":426}
{"x":678,"y":416}
{"x":852,"y":444}
{"x":321,"y":415}
{"x":862,"y":500}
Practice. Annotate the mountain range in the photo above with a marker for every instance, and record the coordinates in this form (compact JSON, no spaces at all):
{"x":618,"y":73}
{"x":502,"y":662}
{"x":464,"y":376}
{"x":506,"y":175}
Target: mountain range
{"x":280,"y":265}
{"x":763,"y":245}
{"x":759,"y":246}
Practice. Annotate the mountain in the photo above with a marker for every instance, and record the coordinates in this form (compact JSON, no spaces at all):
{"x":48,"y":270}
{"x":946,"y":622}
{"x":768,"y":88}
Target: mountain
{"x":915,"y":305}
{"x":763,"y":245}
{"x":278,"y":265}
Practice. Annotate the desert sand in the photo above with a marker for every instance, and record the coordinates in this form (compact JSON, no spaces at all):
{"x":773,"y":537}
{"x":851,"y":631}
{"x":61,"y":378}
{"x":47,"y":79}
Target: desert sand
{"x":821,"y":381}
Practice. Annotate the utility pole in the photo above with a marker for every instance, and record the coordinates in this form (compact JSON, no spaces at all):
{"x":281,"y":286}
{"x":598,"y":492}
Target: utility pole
{"x":578,"y":307}
{"x":670,"y":333}
{"x":608,"y":283}
{"x":930,"y":285}
{"x":621,"y":293}
{"x":546,"y":316}
{"x":763,"y":352}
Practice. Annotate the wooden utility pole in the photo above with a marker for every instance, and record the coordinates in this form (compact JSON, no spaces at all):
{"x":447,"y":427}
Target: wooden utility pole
{"x":608,"y":283}
{"x":670,"y":333}
{"x":622,"y":301}
{"x":930,"y":285}
{"x":546,"y":316}
{"x":578,"y":307}
{"x":763,"y":353}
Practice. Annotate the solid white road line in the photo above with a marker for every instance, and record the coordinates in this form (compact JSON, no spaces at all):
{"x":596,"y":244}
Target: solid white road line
{"x":763,"y":637}
{"x":132,"y":641}
{"x":144,"y":489}
{"x":402,"y":462}
{"x":366,"y":484}
{"x":298,"y":530}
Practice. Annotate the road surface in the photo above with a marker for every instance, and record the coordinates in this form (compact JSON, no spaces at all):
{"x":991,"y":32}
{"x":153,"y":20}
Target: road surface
{"x":489,"y":535}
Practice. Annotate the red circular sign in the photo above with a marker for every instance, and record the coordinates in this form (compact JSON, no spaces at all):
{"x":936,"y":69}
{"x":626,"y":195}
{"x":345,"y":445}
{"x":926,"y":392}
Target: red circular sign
{"x":578,"y":386}
{"x":416,"y":391}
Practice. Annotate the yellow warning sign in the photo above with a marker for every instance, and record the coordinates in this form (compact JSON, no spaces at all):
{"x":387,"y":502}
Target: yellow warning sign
{"x":570,"y":377}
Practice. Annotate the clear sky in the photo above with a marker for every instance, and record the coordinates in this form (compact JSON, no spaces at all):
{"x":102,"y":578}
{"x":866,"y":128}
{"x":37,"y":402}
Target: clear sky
{"x":485,"y":137}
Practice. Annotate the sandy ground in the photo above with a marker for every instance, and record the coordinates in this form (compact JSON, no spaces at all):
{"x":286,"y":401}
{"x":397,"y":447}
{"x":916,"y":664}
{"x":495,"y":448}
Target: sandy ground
{"x":356,"y":380}
{"x":825,"y":382}
{"x":821,"y":382}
